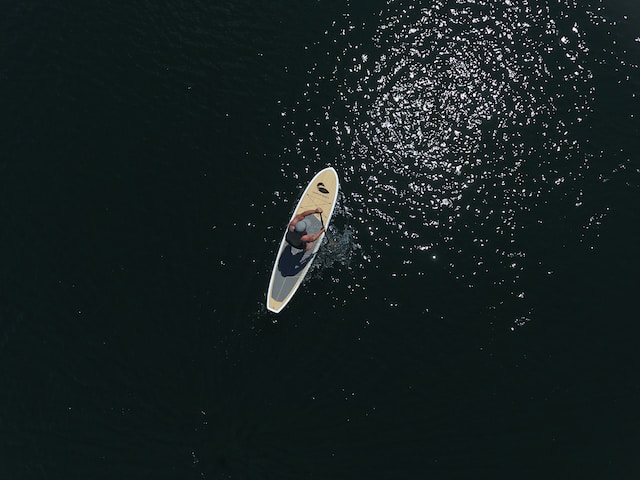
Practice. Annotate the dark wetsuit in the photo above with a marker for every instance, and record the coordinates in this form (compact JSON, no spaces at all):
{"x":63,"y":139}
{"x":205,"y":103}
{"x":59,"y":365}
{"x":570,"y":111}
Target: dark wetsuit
{"x":295,"y":239}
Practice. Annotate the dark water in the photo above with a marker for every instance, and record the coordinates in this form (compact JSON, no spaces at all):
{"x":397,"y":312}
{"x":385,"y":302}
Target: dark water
{"x":472,"y":315}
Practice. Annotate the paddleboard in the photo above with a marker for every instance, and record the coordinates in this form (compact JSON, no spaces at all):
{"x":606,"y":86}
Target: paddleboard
{"x":292,"y":264}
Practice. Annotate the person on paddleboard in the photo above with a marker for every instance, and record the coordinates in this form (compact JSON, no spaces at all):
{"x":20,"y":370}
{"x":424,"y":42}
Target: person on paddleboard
{"x":297,"y":235}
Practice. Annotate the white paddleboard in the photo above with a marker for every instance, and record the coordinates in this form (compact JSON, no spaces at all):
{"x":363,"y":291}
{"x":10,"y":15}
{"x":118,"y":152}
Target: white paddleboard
{"x":292,"y":264}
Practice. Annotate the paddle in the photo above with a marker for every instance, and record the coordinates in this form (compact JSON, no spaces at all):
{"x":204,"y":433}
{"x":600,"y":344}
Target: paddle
{"x":322,"y":222}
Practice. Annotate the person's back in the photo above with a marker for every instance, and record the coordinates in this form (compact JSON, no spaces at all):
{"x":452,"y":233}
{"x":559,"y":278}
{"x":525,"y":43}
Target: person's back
{"x":294,"y":237}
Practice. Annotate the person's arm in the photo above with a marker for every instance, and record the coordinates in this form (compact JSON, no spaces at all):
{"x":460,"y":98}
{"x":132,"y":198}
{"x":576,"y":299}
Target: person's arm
{"x":301,"y":216}
{"x":310,"y":212}
{"x":313,"y":238}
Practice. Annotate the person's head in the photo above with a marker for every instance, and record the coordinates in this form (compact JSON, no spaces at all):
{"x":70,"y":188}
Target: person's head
{"x":301,"y":226}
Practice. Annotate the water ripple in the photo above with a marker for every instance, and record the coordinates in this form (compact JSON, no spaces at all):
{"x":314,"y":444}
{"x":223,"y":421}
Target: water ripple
{"x":462,"y":127}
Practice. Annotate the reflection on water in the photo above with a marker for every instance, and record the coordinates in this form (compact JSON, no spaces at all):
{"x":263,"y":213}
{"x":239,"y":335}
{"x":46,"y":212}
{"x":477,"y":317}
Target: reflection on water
{"x":461,"y":127}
